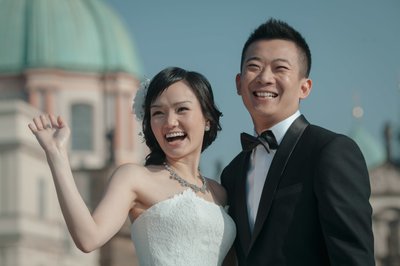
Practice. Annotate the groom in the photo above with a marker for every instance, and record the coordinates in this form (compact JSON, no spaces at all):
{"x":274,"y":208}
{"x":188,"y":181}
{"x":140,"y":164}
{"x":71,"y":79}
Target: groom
{"x":299,"y":194}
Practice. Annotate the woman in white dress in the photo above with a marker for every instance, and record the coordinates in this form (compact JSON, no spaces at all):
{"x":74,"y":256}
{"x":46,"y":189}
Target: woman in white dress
{"x":177,"y":215}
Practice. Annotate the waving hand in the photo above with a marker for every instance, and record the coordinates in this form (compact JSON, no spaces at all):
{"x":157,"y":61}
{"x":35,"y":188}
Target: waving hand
{"x":52,"y":134}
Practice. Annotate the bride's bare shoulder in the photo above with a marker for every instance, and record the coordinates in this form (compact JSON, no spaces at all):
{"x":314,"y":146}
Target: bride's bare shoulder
{"x":130,"y":168}
{"x":133,"y":172}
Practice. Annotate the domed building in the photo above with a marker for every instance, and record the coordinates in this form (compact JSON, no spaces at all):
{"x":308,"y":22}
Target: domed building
{"x":384,"y":172}
{"x":385,"y":200}
{"x":73,"y":58}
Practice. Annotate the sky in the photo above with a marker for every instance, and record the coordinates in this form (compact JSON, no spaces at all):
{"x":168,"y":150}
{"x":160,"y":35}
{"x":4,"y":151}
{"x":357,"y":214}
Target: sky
{"x":355,"y":48}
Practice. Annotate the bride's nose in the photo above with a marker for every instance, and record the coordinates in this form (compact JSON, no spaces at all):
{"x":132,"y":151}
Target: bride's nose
{"x":172,"y":120}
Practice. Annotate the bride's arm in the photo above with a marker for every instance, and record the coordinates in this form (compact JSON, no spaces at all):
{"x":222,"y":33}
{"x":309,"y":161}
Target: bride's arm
{"x":88,"y":232}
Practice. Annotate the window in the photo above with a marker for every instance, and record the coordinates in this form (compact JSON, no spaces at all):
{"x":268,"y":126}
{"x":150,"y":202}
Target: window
{"x":82,"y":127}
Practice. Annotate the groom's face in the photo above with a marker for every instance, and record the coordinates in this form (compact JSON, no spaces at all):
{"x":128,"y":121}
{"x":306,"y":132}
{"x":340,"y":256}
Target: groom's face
{"x":270,"y":83}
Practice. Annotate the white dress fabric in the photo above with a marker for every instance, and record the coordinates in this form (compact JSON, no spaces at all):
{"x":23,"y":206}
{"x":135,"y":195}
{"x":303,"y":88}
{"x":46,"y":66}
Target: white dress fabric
{"x":183,"y":230}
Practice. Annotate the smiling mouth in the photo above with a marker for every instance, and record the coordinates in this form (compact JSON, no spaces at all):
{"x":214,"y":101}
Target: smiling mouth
{"x":175,"y":136}
{"x":265,"y":94}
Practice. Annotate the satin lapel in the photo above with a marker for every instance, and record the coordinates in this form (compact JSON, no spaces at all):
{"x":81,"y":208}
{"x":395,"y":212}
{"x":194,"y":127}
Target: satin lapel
{"x":241,"y":213}
{"x":278,"y":165}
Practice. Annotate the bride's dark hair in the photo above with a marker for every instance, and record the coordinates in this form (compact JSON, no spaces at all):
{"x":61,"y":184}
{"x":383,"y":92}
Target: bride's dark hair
{"x":203,"y":91}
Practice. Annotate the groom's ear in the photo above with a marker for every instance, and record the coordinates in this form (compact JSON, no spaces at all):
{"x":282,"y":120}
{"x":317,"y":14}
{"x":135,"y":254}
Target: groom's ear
{"x":305,"y":88}
{"x":237,"y":80}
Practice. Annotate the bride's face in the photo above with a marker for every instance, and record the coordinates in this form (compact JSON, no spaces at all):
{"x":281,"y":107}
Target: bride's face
{"x":177,"y":121}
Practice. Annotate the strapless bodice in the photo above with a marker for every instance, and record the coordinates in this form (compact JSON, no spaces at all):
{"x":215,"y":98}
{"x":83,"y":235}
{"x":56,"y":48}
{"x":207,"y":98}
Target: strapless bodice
{"x":183,"y":230}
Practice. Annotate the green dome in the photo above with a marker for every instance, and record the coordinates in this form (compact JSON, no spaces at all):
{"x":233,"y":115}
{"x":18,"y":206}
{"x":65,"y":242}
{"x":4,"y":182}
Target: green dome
{"x":373,"y":152}
{"x":78,"y":35}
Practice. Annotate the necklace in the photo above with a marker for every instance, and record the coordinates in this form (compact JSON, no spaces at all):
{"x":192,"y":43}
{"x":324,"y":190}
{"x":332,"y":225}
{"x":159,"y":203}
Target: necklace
{"x":185,"y":183}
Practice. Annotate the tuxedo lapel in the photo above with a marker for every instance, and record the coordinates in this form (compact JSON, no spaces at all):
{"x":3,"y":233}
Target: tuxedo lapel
{"x":242,"y":218}
{"x":278,"y":165}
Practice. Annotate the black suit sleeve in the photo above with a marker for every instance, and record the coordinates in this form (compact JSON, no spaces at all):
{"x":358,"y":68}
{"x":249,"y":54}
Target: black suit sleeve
{"x":342,"y":189}
{"x":227,"y":184}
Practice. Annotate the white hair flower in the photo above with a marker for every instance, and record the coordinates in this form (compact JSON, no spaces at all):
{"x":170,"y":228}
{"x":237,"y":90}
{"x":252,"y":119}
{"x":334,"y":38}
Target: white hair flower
{"x":138,"y":101}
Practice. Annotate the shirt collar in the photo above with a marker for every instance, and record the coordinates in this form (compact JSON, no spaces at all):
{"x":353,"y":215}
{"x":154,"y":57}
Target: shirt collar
{"x":280,"y":129}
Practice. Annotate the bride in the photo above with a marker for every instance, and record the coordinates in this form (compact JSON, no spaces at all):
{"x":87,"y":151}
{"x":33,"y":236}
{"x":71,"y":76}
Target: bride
{"x":177,"y":214}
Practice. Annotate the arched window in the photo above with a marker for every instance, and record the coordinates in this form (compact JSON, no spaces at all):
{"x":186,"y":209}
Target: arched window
{"x":82,"y":127}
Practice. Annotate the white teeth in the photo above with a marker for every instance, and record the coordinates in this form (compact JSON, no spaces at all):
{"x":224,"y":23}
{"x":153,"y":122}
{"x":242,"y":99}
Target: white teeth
{"x":174,"y":134}
{"x":266,"y":94}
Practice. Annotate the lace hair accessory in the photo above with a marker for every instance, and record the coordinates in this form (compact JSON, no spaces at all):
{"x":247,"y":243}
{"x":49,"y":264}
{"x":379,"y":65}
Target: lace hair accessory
{"x":138,"y":101}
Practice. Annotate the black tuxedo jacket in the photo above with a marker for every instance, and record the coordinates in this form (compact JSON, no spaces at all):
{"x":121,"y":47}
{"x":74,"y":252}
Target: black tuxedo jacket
{"x":314,"y":208}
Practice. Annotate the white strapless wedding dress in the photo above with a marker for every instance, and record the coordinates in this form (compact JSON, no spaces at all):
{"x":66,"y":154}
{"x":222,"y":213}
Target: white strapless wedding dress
{"x":184,"y":230}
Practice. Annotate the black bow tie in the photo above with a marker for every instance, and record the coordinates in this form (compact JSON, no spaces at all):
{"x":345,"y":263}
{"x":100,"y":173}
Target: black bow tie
{"x":267,"y":139}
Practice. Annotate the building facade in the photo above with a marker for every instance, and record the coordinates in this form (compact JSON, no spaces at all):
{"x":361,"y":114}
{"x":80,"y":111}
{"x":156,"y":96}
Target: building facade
{"x":385,"y":200}
{"x":75,"y":59}
{"x":384,"y":172}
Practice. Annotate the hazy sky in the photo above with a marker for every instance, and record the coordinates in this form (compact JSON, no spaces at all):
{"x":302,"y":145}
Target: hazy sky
{"x":355,"y":48}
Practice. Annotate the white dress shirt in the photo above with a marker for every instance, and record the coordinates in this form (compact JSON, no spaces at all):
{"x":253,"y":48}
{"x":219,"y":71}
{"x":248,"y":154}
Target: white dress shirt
{"x":260,"y":162}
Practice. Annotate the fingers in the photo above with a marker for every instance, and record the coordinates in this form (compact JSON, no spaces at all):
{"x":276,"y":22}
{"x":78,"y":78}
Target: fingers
{"x":32,"y":127}
{"x":53,"y":121}
{"x":60,"y":121}
{"x":43,"y":122}
{"x":38,"y":123}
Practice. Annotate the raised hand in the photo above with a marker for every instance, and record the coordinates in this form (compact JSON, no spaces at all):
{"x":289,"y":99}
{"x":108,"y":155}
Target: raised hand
{"x":51,"y":133}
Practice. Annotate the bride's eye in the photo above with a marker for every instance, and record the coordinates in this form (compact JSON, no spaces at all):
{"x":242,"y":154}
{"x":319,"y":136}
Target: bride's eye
{"x":155,"y":113}
{"x":182,"y":109}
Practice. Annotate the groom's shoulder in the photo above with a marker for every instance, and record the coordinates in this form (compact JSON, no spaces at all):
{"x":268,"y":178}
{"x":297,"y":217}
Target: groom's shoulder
{"x":319,"y":131}
{"x":321,"y":135}
{"x":237,"y":161}
{"x":231,"y":169}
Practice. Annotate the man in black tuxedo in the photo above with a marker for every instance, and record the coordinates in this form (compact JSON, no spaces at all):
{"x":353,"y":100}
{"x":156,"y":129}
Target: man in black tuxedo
{"x":299,"y":194}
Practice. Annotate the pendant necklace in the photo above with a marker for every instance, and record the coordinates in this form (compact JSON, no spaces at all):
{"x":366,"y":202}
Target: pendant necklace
{"x":185,"y":183}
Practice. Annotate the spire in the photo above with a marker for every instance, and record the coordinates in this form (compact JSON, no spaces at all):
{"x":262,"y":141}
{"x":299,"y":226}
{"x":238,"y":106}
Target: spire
{"x":388,"y":133}
{"x":358,"y":111}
